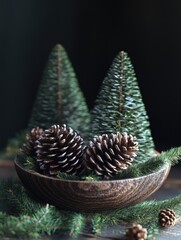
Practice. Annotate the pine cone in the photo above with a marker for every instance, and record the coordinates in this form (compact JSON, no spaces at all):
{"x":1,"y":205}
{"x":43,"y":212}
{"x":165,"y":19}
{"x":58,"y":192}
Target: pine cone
{"x":136,"y":232}
{"x":167,"y":217}
{"x":109,"y":154}
{"x":60,"y":149}
{"x":30,"y":147}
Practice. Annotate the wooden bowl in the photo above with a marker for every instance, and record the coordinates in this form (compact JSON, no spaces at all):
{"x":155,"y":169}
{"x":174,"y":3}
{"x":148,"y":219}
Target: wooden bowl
{"x":91,"y":196}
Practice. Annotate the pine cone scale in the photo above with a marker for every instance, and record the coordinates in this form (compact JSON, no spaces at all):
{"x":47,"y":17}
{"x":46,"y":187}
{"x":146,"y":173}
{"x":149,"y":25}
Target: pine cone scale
{"x":108,"y":156}
{"x":48,"y":160}
{"x":51,"y":155}
{"x":73,"y":159}
{"x":63,"y":148}
{"x":119,"y":157}
{"x":107,"y":169}
{"x":112,"y":166}
{"x":112,"y":152}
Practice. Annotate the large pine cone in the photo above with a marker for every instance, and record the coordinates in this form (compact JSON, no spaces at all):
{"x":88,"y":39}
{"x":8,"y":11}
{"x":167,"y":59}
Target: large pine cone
{"x":136,"y":232}
{"x":109,"y":154}
{"x":60,"y":149}
{"x":30,"y":147}
{"x":167,"y":217}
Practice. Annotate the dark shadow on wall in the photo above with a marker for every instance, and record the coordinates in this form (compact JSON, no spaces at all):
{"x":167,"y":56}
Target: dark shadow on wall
{"x":92,"y":32}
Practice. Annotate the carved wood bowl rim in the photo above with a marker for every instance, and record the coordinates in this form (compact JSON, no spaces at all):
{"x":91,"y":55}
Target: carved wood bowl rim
{"x":25,"y":172}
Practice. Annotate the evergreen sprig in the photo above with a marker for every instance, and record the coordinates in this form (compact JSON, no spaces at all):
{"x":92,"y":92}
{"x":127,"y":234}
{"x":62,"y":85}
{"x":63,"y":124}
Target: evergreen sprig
{"x":145,"y":212}
{"x":77,"y":224}
{"x":14,"y":195}
{"x":119,"y":107}
{"x":30,"y":226}
{"x":59,"y":99}
{"x":33,"y":219}
{"x":171,"y":157}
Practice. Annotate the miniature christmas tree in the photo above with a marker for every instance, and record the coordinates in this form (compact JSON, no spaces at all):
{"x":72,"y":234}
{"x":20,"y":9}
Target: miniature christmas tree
{"x":119,"y":107}
{"x":59,"y":99}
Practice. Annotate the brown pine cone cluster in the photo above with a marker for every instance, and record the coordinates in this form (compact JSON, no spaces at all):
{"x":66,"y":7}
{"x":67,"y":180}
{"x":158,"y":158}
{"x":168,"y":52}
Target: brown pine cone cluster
{"x":106,"y":155}
{"x":61,"y":149}
{"x":136,"y":232}
{"x":167,"y":217}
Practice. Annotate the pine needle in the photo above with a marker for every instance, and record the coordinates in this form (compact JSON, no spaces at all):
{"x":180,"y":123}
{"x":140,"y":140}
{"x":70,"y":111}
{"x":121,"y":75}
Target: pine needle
{"x":144,"y":212}
{"x":77,"y":223}
{"x":31,"y":164}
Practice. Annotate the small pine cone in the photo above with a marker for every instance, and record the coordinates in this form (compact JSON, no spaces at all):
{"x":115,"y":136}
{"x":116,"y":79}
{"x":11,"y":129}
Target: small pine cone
{"x":136,"y":232}
{"x":109,"y":154}
{"x":60,"y":149}
{"x":167,"y":217}
{"x":30,"y":147}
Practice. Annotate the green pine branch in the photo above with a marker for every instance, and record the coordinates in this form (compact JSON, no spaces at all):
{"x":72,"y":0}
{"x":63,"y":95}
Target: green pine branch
{"x":151,"y":165}
{"x":77,"y":224}
{"x":145,"y":213}
{"x":35,"y":219}
{"x":32,"y":218}
{"x":14,"y":195}
{"x":25,"y":226}
{"x":59,"y":99}
{"x":119,"y":107}
{"x":102,"y":220}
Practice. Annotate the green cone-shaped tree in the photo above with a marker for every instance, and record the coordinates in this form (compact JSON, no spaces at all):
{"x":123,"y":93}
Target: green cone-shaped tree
{"x":119,"y":107}
{"x":59,"y":99}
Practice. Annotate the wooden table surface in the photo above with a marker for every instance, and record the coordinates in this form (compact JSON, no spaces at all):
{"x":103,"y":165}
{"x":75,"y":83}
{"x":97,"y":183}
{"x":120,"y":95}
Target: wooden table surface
{"x":170,"y":188}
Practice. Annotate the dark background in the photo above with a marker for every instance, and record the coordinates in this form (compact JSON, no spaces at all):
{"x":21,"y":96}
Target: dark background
{"x":92,"y":32}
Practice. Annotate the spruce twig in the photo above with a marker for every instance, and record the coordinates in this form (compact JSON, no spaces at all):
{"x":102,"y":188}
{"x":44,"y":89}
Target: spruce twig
{"x":77,"y":223}
{"x":36,"y":219}
{"x":101,"y":220}
{"x":144,"y":212}
{"x":43,"y":215}
{"x":97,"y":223}
{"x":171,"y":156}
{"x":14,"y":195}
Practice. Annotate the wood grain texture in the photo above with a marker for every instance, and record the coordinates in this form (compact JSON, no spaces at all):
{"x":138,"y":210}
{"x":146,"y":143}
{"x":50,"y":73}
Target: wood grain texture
{"x":91,"y":196}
